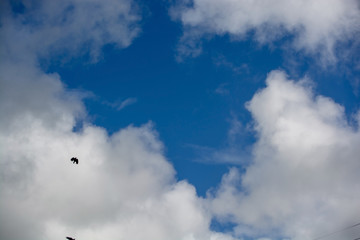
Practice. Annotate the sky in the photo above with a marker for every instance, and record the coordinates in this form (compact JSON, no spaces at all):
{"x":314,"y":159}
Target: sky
{"x":191,"y":119}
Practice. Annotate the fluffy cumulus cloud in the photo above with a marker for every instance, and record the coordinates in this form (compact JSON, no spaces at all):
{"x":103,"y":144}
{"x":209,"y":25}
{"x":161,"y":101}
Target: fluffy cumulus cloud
{"x":123,"y":186}
{"x":71,"y":27}
{"x":304,"y":177}
{"x":315,"y":26}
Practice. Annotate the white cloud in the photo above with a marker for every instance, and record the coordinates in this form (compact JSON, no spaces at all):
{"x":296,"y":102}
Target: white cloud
{"x":303,"y":179}
{"x":123,"y":186}
{"x":70,"y":27}
{"x":317,"y":26}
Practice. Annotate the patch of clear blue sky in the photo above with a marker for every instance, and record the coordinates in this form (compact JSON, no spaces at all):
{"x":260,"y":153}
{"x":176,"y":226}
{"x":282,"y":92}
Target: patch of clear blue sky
{"x":180,"y":98}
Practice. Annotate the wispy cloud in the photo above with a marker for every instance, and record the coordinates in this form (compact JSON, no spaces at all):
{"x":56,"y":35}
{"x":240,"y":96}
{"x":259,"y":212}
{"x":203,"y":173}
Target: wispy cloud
{"x":222,"y":89}
{"x":222,"y":61}
{"x":119,"y":105}
{"x":126,"y":102}
{"x":233,"y":152}
{"x":228,"y":155}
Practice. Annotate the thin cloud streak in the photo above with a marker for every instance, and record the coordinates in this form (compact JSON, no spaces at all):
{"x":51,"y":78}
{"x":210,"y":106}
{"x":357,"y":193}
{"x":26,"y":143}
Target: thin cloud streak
{"x":119,"y":105}
{"x":126,"y":102}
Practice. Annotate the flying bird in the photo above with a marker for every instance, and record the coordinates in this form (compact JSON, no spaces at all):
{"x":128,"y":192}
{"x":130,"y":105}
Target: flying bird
{"x":74,"y":160}
{"x":69,"y":238}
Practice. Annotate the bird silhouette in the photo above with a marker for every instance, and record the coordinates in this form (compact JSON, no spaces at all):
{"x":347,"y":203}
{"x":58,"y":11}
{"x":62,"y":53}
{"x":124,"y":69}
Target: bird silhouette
{"x":69,"y":238}
{"x":74,"y":160}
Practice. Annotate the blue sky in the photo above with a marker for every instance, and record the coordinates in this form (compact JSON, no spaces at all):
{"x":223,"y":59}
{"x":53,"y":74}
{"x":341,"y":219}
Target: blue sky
{"x":195,"y":119}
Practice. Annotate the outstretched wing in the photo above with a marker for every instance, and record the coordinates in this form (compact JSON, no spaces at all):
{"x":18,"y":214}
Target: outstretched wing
{"x":69,"y":238}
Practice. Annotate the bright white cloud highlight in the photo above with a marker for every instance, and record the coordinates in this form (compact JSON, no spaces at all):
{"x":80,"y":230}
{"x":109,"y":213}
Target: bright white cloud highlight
{"x":305,"y":173}
{"x":317,"y":26}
